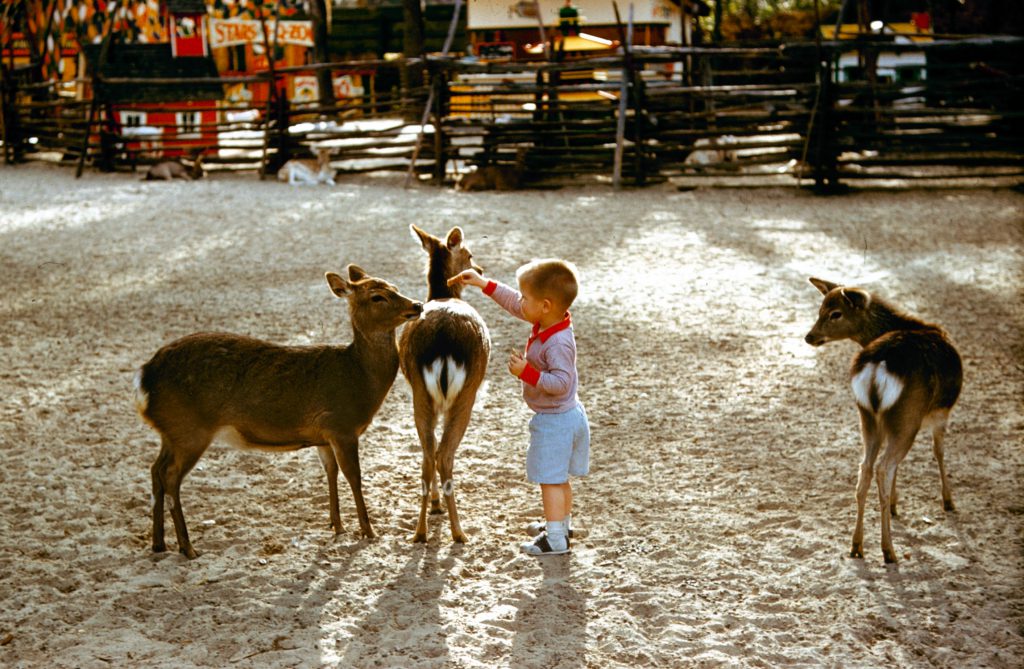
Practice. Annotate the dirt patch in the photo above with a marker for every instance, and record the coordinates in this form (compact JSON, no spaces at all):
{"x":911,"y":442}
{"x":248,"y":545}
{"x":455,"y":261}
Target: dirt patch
{"x":720,"y":503}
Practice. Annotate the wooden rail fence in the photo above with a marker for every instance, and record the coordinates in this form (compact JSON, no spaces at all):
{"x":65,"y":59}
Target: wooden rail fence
{"x":791,"y":109}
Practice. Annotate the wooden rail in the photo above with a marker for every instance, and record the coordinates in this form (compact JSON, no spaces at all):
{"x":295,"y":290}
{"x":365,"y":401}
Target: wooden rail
{"x":756,"y":112}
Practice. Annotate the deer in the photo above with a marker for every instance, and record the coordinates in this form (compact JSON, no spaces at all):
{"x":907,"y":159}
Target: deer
{"x":495,"y":177}
{"x":907,"y":376}
{"x":308,"y":172}
{"x":444,"y":358}
{"x":260,"y":395}
{"x":166,"y":170}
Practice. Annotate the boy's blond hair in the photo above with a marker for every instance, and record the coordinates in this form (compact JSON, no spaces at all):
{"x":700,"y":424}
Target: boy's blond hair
{"x":551,"y":278}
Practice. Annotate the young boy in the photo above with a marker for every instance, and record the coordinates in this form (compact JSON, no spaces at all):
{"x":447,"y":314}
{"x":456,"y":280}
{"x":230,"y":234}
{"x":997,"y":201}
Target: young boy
{"x":559,"y":432}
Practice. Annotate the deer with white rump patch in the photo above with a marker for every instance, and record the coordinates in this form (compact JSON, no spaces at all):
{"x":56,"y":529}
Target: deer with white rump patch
{"x":259,"y":395}
{"x":444,"y":357}
{"x":907,"y":376}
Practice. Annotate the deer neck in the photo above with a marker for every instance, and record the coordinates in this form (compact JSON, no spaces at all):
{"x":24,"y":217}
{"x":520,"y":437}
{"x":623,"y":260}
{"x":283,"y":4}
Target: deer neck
{"x":377,"y":353}
{"x":437,"y":284}
{"x":883,"y":318}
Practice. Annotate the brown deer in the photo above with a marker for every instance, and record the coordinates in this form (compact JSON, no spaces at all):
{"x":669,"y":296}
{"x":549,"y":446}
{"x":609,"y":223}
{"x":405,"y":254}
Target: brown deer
{"x":274,"y":398}
{"x":166,"y":170}
{"x":444,"y":357}
{"x":495,"y":177}
{"x":907,"y":376}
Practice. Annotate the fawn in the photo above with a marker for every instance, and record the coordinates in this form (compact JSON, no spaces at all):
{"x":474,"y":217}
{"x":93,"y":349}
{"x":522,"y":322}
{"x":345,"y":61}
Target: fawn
{"x":495,"y":177}
{"x":907,"y":376}
{"x":166,"y":170}
{"x":305,"y":171}
{"x":444,"y":357}
{"x":274,"y":398}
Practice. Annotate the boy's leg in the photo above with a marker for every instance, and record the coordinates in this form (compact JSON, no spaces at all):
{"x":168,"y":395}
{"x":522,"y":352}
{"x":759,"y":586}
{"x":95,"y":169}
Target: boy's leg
{"x":555,"y":497}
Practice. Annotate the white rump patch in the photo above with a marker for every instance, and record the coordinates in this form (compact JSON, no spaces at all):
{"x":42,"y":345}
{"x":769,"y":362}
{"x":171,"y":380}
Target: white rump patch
{"x":876,"y":379}
{"x":432,"y":380}
{"x":141,"y":396}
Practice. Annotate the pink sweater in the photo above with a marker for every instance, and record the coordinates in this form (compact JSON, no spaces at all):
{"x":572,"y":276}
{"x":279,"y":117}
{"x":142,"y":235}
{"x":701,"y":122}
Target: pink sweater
{"x":550,"y":378}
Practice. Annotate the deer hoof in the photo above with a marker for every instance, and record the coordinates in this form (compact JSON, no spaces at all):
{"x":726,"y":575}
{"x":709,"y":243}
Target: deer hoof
{"x":160,"y":547}
{"x":857,"y":552}
{"x":419,"y":538}
{"x":890,"y":557}
{"x":460,"y":538}
{"x":189,"y":552}
{"x":948,"y":505}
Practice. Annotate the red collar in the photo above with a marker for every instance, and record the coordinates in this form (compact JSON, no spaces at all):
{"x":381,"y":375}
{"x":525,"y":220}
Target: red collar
{"x":546,"y":334}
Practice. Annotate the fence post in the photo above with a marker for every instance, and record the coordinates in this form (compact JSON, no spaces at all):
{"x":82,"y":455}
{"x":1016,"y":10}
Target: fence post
{"x":823,"y":131}
{"x":440,"y":104}
{"x":9,"y":116}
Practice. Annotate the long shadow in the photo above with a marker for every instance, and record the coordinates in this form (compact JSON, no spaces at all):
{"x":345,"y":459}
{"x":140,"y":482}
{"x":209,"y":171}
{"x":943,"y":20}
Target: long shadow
{"x":551,"y":622}
{"x":386,"y":636}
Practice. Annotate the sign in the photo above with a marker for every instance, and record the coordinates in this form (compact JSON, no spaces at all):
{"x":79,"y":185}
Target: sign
{"x":347,"y":86}
{"x":187,"y":35}
{"x":231,"y":32}
{"x":503,"y":14}
{"x":306,"y":89}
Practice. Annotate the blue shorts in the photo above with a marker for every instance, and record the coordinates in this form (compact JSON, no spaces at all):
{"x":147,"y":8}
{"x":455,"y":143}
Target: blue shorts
{"x":559,"y":446}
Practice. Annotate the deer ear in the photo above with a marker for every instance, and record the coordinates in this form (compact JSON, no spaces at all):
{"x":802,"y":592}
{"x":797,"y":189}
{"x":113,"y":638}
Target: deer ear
{"x":856,"y":298}
{"x":428,"y":240}
{"x":356,"y":273}
{"x":339,"y":286}
{"x":454,"y":238}
{"x":824,"y":286}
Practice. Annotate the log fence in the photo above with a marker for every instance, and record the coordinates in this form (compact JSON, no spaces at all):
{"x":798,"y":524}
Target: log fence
{"x":731,"y":112}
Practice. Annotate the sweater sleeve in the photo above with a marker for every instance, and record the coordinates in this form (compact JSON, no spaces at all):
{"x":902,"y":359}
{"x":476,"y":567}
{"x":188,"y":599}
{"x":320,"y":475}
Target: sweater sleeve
{"x":507,"y":298}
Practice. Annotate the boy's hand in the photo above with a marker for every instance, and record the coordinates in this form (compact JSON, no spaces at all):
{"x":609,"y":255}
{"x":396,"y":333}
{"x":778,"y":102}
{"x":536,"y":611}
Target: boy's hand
{"x":470,"y":277}
{"x":516,"y":363}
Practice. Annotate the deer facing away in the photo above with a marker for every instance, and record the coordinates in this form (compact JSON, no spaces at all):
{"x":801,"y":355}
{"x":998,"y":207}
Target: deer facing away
{"x":444,"y":357}
{"x":308,"y":172}
{"x":259,"y":395}
{"x":906,"y":376}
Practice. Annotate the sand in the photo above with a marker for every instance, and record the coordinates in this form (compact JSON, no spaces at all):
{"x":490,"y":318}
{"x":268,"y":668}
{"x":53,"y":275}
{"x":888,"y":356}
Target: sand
{"x":720,"y":504}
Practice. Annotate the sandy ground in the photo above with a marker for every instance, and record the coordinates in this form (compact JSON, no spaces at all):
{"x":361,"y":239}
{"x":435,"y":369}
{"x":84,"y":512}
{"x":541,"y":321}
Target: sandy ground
{"x":720,"y":503}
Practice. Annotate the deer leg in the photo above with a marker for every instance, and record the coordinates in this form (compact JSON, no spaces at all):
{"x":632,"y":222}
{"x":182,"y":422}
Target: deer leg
{"x":900,"y":440}
{"x":346,"y":453}
{"x":892,"y":494}
{"x":938,"y":436}
{"x":181,"y":456}
{"x":871,"y":436}
{"x":455,"y":426}
{"x":331,"y":467}
{"x":157,"y":470}
{"x":426,"y":422}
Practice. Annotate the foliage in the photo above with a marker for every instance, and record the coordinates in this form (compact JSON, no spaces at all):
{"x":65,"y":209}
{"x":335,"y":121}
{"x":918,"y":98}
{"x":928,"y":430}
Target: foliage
{"x":759,"y":20}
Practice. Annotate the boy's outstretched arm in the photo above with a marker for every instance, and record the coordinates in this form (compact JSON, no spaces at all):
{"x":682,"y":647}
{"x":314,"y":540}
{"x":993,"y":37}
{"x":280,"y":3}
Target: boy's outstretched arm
{"x":468,"y":277}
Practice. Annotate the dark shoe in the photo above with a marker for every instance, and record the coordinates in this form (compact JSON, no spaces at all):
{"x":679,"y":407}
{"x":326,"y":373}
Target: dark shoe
{"x":540,"y":547}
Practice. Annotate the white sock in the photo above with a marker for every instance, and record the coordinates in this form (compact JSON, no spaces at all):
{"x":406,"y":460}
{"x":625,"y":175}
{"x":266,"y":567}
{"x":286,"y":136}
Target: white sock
{"x":557,"y":534}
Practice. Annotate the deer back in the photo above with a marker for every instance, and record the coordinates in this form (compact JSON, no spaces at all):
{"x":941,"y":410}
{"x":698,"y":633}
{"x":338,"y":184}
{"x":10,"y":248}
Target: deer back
{"x":447,"y":349}
{"x":281,"y":396}
{"x":903,"y":357}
